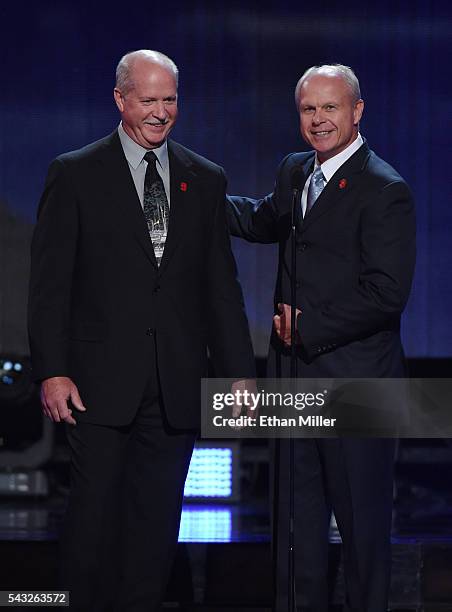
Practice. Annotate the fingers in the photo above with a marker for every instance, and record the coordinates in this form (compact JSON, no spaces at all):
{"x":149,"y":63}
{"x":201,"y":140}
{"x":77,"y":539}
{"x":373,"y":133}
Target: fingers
{"x":239,"y":386}
{"x":277,"y":324}
{"x":45,"y":409}
{"x":236,"y":410}
{"x":52,"y":412}
{"x":49,"y":408}
{"x":282,"y":324}
{"x":55,"y":394}
{"x":69,"y":418}
{"x":76,"y":400}
{"x":58,"y":411}
{"x":252,"y":413}
{"x":243,"y":389}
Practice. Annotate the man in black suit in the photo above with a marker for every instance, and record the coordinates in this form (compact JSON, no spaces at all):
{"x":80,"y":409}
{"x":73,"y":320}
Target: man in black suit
{"x":132,"y":281}
{"x":355,"y":260}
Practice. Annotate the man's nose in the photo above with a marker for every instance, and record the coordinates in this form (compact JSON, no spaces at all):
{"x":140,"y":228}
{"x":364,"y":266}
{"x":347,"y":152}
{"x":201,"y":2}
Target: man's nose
{"x":159,"y":110}
{"x":318,"y":117}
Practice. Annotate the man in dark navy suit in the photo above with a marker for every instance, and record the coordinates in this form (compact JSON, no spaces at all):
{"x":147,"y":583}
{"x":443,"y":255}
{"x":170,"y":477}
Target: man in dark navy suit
{"x":132,"y":281}
{"x":355,"y":260}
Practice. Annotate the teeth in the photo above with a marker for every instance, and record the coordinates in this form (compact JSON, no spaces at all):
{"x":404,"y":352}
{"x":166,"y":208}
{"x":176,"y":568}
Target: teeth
{"x":321,"y":133}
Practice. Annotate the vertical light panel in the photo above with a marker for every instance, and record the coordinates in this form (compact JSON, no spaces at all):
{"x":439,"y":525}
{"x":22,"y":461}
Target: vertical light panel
{"x":212,"y":473}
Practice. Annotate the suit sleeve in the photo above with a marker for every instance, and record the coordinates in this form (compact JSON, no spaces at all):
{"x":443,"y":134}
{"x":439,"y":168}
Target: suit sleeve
{"x":253,"y":220}
{"x":53,"y":251}
{"x":387,"y":247}
{"x":256,"y":220}
{"x":229,"y":339}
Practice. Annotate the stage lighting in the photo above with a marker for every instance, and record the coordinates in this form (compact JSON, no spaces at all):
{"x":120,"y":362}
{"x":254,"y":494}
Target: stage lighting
{"x":201,"y":524}
{"x":16,"y":385}
{"x":26,"y":437}
{"x":213,"y":473}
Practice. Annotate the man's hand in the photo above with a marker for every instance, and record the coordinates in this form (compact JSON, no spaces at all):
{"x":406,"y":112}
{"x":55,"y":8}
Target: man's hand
{"x":244,"y":389}
{"x":282,"y":323}
{"x":55,"y":393}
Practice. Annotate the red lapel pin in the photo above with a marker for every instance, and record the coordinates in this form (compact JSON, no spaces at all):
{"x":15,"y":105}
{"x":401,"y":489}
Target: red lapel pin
{"x":342,"y":183}
{"x":183,"y":186}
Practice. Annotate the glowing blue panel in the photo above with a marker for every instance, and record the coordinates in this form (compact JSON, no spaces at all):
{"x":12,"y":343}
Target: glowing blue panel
{"x":205,"y":525}
{"x":210,"y":473}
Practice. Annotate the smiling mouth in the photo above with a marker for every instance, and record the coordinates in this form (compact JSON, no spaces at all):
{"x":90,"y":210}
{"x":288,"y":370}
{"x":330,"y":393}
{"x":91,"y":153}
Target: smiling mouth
{"x":322,"y":134}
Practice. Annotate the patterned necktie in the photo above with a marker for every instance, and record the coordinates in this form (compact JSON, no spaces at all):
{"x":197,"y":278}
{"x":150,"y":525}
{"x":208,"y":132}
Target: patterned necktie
{"x":155,"y":206}
{"x":316,"y":186}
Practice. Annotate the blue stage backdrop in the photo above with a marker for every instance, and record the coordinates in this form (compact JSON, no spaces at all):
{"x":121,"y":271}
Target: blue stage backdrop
{"x":239,"y":63}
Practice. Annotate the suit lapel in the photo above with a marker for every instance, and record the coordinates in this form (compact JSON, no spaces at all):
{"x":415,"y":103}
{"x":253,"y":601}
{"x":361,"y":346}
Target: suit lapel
{"x":339,"y":186}
{"x":308,"y":166}
{"x":122,"y":192}
{"x":182,"y":183}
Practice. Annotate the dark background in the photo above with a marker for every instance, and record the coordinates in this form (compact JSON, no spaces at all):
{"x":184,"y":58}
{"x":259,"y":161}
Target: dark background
{"x":239,"y":63}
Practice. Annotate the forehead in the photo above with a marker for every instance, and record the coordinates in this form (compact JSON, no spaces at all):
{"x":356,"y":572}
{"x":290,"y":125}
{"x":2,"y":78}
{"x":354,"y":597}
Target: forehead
{"x":146,"y":74}
{"x":324,"y":87}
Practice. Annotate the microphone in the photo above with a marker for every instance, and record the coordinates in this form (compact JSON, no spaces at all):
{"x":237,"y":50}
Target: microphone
{"x":296,"y":178}
{"x":296,"y":184}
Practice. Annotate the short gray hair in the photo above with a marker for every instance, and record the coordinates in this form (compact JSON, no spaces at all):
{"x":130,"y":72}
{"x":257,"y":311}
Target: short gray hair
{"x":344,"y":72}
{"x":124,"y":68}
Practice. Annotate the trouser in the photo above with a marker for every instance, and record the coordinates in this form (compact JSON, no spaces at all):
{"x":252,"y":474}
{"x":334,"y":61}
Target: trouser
{"x":120,"y":533}
{"x":354,"y":478}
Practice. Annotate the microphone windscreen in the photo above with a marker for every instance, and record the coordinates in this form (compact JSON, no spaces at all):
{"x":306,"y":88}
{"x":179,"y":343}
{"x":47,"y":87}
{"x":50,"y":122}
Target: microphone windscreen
{"x":297,"y":178}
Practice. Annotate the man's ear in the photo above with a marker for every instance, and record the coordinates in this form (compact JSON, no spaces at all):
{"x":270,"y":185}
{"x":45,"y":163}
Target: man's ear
{"x":358,"y":111}
{"x":118,"y":99}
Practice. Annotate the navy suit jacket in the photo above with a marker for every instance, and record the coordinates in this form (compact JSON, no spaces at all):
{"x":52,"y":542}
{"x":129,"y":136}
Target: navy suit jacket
{"x":98,"y":299}
{"x":355,"y":261}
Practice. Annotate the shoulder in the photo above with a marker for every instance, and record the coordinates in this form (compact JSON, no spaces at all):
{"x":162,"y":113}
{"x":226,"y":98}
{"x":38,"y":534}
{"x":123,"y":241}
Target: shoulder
{"x":198,"y":162}
{"x":382,"y":184}
{"x":381,"y":174}
{"x":89,"y":151}
{"x":296,"y":159}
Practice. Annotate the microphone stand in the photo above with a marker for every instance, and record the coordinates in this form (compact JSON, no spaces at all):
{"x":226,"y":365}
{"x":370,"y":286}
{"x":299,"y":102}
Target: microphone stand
{"x":293,"y":376}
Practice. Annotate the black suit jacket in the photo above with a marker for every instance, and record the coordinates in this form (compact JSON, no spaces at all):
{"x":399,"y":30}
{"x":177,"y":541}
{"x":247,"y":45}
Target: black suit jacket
{"x":355,"y":262}
{"x":98,"y":298}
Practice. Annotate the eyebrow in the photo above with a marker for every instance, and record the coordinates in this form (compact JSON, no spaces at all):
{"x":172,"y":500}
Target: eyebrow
{"x":143,"y":98}
{"x":307,"y":105}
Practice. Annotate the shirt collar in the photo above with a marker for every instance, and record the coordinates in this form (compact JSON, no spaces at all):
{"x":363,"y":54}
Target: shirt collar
{"x":134,"y":152}
{"x":330,"y":166}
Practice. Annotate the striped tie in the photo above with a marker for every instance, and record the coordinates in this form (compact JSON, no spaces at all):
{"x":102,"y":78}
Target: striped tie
{"x":316,"y":186}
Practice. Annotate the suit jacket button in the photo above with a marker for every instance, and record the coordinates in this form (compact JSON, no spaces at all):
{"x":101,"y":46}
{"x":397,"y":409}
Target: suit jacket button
{"x":303,"y":246}
{"x":156,"y":289}
{"x":149,"y":332}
